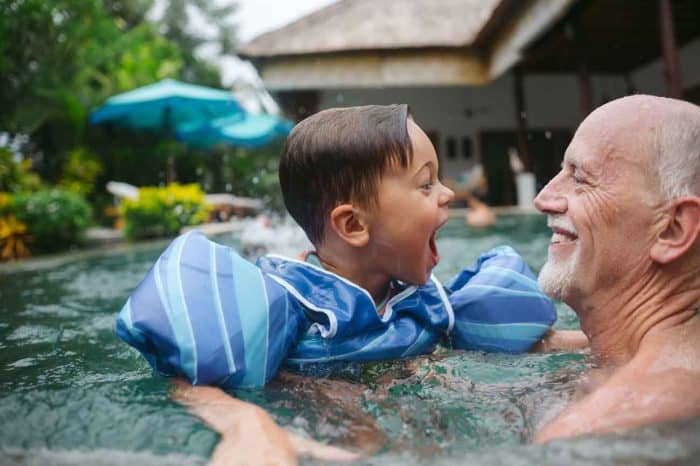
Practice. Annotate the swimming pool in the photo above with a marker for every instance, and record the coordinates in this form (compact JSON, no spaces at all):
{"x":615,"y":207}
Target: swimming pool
{"x":72,"y":393}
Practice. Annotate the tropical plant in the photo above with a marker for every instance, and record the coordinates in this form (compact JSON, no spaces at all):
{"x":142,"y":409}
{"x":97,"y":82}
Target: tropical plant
{"x":16,"y":173}
{"x":13,"y":239}
{"x":55,"y":218}
{"x":253,"y":172}
{"x":61,"y":58}
{"x":80,"y":171}
{"x":163,"y":211}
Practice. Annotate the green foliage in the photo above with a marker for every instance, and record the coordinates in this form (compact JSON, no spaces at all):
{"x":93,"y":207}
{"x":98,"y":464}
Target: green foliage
{"x":163,"y":211}
{"x":55,"y":218}
{"x":176,"y":26}
{"x":13,"y":237}
{"x":253,"y":172}
{"x":16,"y":175}
{"x":58,"y":59}
{"x":80,"y":171}
{"x":61,"y":58}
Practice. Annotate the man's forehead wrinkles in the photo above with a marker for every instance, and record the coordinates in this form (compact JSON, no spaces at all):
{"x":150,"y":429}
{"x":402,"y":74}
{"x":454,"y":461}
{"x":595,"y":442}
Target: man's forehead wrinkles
{"x":584,"y":158}
{"x":573,"y":155}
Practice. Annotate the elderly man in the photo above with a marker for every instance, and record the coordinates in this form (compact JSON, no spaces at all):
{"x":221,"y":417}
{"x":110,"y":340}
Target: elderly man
{"x":625,"y":255}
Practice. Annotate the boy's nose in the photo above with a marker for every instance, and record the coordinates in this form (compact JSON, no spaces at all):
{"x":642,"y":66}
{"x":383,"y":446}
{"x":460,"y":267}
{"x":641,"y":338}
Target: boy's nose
{"x":446,"y":196}
{"x":550,"y":200}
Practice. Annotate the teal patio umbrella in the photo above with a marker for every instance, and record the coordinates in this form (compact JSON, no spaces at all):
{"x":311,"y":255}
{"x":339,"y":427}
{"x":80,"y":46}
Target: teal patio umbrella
{"x":242,"y":130}
{"x":165,"y":106}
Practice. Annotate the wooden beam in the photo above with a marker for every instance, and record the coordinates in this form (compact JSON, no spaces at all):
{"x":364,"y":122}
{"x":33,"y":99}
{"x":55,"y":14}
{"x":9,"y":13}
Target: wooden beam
{"x":584,"y":77}
{"x":672,"y":68}
{"x":531,"y":20}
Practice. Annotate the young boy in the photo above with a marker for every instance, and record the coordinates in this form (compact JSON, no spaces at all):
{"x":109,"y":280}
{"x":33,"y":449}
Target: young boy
{"x":363,"y":184}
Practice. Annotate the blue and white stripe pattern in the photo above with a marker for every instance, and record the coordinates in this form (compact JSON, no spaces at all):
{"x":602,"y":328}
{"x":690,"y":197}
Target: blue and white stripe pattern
{"x":498,"y":305}
{"x":206,"y":314}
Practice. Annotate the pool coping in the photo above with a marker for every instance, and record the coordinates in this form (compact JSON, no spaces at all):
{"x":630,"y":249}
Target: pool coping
{"x":114,"y":245}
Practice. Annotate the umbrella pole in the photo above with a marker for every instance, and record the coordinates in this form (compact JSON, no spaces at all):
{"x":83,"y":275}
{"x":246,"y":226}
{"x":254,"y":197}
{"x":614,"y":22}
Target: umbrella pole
{"x":170,"y":173}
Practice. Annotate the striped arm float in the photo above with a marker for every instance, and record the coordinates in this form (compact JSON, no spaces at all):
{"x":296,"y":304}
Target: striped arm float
{"x":498,"y":305}
{"x":206,"y":314}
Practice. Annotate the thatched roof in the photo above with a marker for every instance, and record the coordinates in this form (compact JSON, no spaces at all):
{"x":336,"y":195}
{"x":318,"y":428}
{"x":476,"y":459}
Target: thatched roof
{"x":357,"y":25}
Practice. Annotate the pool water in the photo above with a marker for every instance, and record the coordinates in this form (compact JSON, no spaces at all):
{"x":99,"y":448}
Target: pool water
{"x":72,"y":393}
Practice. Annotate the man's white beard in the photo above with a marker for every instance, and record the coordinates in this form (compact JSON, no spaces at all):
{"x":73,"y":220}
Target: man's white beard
{"x":556,"y":276}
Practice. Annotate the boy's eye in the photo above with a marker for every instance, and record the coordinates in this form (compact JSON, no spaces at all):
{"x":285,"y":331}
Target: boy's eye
{"x":427,"y":186}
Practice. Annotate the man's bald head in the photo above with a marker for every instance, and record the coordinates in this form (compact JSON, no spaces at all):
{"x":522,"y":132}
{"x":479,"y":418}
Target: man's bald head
{"x":665,"y":132}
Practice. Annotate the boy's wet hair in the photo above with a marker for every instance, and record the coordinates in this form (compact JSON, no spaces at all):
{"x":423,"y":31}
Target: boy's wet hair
{"x":338,"y":156}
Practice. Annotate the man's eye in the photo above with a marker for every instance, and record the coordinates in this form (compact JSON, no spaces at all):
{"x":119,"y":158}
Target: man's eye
{"x":578,"y":180}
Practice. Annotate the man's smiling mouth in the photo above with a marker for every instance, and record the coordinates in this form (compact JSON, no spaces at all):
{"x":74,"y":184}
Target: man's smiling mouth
{"x":560,"y":236}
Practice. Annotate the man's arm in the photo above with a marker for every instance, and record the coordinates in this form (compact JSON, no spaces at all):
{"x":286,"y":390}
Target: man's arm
{"x":561,"y":340}
{"x":248,"y":434}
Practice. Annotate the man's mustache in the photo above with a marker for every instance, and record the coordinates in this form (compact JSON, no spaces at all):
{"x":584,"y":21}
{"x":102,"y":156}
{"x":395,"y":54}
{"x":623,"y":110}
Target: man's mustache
{"x":562,"y":222}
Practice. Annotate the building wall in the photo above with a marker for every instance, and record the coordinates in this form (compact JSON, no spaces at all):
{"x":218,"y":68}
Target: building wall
{"x":552,"y":102}
{"x":459,"y":112}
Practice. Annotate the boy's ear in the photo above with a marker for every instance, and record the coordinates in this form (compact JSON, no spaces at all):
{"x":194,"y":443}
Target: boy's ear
{"x":681,"y":231}
{"x":348,"y":223}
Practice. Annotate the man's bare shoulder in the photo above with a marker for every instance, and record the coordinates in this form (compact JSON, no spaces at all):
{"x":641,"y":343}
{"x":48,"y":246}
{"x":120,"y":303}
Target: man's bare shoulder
{"x":643,"y":392}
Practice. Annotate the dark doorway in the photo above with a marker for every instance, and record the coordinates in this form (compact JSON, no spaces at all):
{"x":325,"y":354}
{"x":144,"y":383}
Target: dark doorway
{"x":547,"y":151}
{"x":692,"y":95}
{"x":495,"y":147}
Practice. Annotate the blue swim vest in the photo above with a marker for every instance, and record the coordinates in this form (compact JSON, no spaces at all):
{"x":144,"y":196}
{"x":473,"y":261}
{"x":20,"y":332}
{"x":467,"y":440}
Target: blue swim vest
{"x":204,"y":313}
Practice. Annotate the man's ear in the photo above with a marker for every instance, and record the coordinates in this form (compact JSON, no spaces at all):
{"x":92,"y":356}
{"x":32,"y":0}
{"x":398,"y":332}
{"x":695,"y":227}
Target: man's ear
{"x":681,"y":231}
{"x":348,"y":223}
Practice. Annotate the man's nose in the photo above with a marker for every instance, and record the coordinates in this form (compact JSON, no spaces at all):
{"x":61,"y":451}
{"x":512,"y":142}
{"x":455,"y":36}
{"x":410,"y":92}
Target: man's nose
{"x":551,"y":199}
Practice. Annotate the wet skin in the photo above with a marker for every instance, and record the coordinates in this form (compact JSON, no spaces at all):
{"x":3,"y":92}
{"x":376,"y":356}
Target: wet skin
{"x":412,"y":205}
{"x":394,"y":238}
{"x":626,"y":261}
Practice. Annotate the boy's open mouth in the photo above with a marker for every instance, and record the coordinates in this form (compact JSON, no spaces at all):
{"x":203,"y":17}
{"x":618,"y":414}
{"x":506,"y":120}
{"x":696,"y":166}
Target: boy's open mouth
{"x":434,"y":255}
{"x":433,"y":248}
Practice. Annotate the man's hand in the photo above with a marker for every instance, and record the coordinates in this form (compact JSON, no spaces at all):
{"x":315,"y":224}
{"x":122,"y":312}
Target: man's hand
{"x":249,"y":436}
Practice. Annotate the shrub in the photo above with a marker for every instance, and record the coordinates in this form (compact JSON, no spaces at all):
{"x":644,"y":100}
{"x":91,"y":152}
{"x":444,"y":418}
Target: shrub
{"x":13,"y":239}
{"x":55,"y":218}
{"x":17,"y":175}
{"x":80,"y":171}
{"x":163,"y":211}
{"x":13,"y":233}
{"x":255,"y":172}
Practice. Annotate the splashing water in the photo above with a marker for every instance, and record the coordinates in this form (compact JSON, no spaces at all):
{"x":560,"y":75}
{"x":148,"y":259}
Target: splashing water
{"x":259,"y":237}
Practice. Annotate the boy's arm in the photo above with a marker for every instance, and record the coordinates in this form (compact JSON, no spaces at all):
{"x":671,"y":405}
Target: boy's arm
{"x":248,"y":434}
{"x":561,"y":340}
